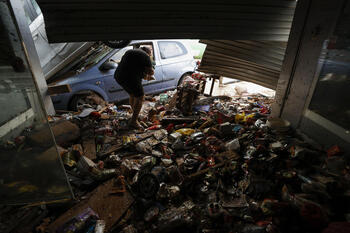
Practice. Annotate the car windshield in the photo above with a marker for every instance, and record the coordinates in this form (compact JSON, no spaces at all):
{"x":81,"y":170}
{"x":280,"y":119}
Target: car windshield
{"x":93,"y":56}
{"x":85,"y":61}
{"x":118,"y":55}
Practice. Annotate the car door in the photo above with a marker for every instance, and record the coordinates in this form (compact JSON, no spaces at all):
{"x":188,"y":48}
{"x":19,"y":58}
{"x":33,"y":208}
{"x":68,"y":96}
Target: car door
{"x":174,"y":57}
{"x":153,"y":86}
{"x":113,"y":90}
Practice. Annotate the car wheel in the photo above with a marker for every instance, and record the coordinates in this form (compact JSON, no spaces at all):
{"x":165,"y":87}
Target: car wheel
{"x":184,"y":78}
{"x":81,"y":101}
{"x":117,"y":44}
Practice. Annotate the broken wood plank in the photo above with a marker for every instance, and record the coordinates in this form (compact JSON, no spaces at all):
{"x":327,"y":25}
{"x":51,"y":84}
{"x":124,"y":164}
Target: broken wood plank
{"x":90,"y":148}
{"x":201,"y":172}
{"x":64,"y":131}
{"x":179,"y":120}
{"x":103,"y":109}
{"x":58,"y":89}
{"x":118,"y":147}
{"x":112,"y":149}
{"x":109,"y":207}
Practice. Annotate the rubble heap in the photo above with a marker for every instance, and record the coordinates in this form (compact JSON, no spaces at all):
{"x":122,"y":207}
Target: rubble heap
{"x":202,"y":164}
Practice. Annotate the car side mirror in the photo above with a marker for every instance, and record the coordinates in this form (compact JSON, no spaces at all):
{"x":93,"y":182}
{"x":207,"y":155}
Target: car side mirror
{"x":109,"y":65}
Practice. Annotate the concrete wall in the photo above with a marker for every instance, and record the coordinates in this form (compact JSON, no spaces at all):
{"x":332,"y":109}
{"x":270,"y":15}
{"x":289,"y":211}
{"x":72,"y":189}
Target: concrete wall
{"x":312,"y":29}
{"x":19,"y":101}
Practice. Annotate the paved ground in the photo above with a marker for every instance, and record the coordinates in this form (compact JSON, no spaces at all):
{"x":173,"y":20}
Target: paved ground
{"x":231,"y":89}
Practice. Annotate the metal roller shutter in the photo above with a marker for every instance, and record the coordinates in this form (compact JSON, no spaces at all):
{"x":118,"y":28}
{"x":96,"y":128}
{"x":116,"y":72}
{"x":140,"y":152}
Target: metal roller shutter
{"x":94,"y":20}
{"x":259,"y":62}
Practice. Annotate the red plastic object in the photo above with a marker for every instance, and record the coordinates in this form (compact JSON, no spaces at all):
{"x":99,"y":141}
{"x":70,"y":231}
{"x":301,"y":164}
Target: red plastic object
{"x":198,"y":76}
{"x":96,"y":115}
{"x":222,"y":118}
{"x":334,"y":150}
{"x":154,"y":127}
{"x":211,"y":162}
{"x":263,"y":223}
{"x":170,"y":127}
{"x":160,"y":108}
{"x":264,"y":110}
{"x":165,"y":152}
{"x":100,"y":164}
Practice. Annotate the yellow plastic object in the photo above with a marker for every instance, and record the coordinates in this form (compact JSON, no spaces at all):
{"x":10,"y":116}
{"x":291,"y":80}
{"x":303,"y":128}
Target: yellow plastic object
{"x":239,"y":118}
{"x":185,"y":131}
{"x":249,"y":117}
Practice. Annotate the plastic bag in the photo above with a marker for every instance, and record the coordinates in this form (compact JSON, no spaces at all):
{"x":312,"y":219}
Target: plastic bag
{"x":185,"y":131}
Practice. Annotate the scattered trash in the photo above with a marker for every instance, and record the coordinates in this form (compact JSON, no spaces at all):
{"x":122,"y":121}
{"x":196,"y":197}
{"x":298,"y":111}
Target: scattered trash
{"x":151,"y":213}
{"x":80,"y":223}
{"x":202,"y":164}
{"x":100,"y":226}
{"x":185,"y":131}
{"x":233,"y":145}
{"x":86,"y":112}
{"x":278,"y":124}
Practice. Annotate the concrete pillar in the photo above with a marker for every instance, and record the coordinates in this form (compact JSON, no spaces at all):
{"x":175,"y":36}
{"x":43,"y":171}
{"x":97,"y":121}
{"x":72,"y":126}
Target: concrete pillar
{"x":31,"y":54}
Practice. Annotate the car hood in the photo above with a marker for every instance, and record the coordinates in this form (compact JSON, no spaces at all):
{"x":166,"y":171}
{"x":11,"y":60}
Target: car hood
{"x":70,"y":80}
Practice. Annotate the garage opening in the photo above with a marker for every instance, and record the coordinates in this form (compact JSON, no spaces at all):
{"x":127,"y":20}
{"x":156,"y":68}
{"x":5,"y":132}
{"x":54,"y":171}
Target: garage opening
{"x":227,"y":135}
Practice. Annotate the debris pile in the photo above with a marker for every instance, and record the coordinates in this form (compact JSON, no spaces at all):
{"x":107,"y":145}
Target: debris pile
{"x":201,"y":164}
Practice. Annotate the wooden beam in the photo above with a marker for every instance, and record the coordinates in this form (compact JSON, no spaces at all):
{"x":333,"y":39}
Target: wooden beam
{"x":89,"y":148}
{"x":109,"y":207}
{"x":59,"y":89}
{"x":201,"y":172}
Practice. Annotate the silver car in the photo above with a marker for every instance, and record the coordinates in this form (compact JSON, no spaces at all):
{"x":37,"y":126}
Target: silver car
{"x":55,"y":56}
{"x":94,"y":71}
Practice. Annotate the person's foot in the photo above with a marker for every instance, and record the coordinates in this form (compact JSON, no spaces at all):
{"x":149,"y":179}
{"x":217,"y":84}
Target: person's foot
{"x":135,"y":125}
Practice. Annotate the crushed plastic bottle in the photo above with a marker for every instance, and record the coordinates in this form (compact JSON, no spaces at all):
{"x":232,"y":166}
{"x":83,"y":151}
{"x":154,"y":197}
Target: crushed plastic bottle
{"x":185,"y":131}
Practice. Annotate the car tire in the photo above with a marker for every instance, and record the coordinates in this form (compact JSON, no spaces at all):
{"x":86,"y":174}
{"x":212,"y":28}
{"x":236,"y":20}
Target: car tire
{"x":117,"y":44}
{"x":183,"y":78}
{"x":78,"y":101}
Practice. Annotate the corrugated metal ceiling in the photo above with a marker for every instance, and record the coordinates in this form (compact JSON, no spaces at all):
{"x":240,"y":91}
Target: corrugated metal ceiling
{"x":94,"y":20}
{"x":242,"y":26}
{"x":255,"y":61}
